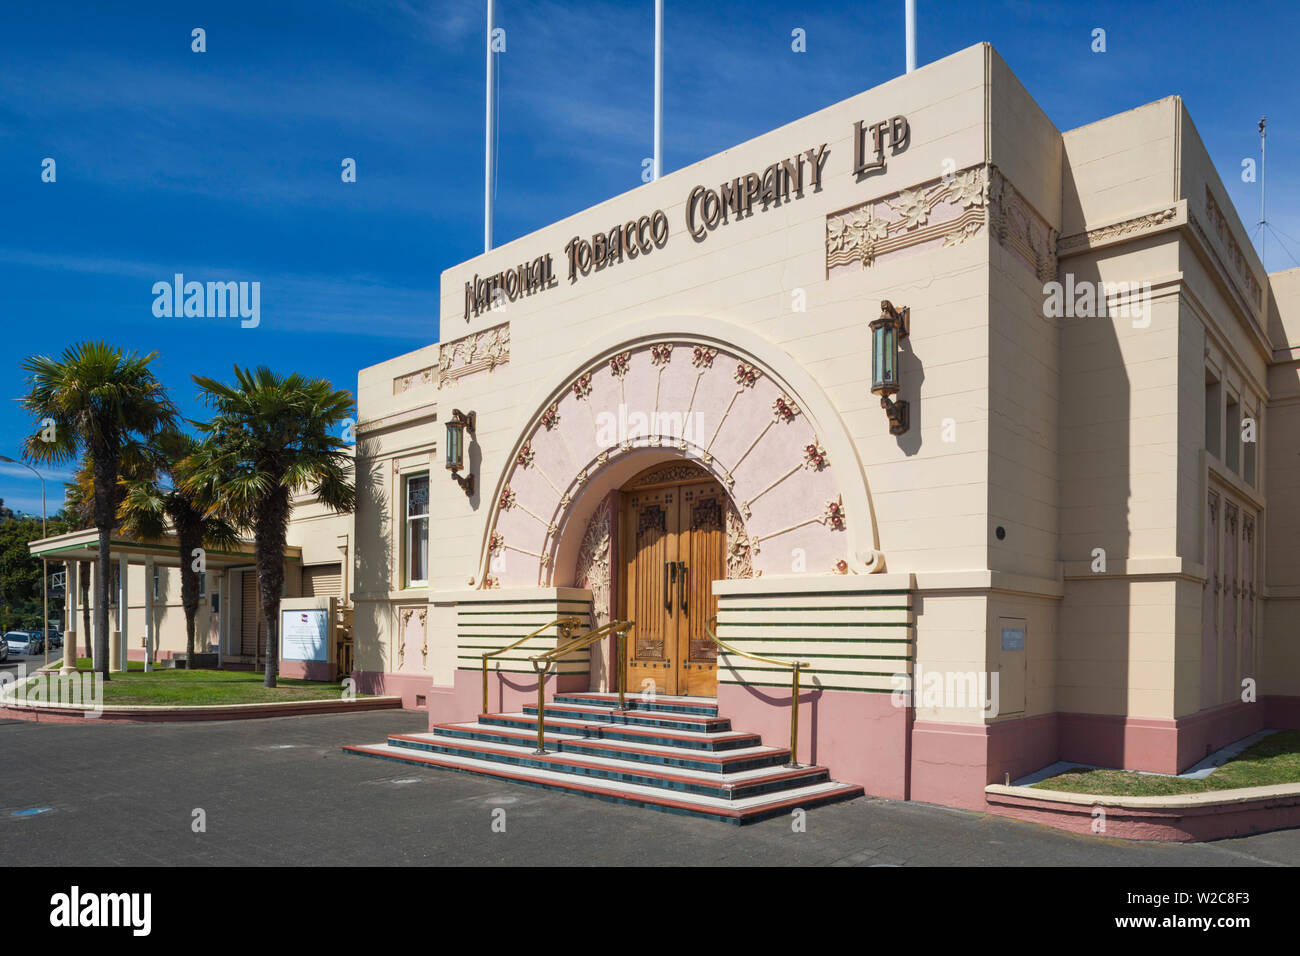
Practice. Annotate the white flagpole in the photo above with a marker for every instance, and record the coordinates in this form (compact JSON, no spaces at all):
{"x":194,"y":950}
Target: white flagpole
{"x":911,"y":35}
{"x":487,"y":139}
{"x":659,"y":88}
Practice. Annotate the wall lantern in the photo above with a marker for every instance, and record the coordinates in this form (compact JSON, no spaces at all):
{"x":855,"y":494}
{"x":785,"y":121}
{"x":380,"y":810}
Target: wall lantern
{"x":456,"y":447}
{"x":886,"y":334}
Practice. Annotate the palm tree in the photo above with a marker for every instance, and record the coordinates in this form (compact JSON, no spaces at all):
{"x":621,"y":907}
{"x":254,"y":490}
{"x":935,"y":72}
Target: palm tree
{"x":150,"y":504}
{"x":271,"y":437}
{"x":95,"y":399}
{"x":79,"y":495}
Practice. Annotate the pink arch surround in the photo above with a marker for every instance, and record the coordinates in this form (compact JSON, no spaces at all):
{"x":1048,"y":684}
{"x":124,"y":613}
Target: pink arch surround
{"x":775,"y":445}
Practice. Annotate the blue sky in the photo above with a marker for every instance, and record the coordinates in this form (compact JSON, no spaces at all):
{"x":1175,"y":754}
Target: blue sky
{"x":225,"y":165}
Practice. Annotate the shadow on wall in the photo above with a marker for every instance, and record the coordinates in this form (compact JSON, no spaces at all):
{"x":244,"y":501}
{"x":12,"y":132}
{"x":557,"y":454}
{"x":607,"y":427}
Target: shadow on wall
{"x":912,"y":373}
{"x":1095,"y":640}
{"x":373,"y":564}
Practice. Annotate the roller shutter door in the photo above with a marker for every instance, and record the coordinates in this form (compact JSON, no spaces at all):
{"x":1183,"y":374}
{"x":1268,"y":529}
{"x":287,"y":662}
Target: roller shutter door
{"x":253,"y":626}
{"x":323,"y":580}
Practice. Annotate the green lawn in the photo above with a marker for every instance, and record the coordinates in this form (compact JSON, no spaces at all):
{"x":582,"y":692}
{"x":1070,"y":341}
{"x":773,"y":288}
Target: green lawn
{"x":1275,"y":759}
{"x":207,"y":687}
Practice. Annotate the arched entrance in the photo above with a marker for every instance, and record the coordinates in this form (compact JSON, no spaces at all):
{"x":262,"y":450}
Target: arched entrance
{"x":673,"y":544}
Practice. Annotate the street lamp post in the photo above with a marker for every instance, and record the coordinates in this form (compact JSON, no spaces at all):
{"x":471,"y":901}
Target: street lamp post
{"x":45,"y":571}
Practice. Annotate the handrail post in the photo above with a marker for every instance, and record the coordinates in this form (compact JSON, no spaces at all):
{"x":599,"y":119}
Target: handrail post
{"x":622,"y":667}
{"x":541,"y":673}
{"x":566,"y":626}
{"x":794,"y":719}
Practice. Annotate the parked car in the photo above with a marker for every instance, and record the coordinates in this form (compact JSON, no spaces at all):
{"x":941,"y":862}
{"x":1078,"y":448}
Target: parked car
{"x":23,"y":642}
{"x":56,"y":638}
{"x":40,"y":640}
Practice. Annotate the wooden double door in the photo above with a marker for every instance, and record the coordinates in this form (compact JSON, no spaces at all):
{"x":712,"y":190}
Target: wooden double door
{"x":674,"y":539}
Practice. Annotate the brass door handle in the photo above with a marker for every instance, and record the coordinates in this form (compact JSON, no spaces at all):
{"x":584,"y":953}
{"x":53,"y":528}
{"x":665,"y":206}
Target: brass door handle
{"x":668,"y":587}
{"x":681,"y":587}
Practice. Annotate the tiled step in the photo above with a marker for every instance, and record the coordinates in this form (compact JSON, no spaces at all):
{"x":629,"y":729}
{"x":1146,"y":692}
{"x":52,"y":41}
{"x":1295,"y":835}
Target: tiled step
{"x":708,"y":723}
{"x":605,"y":730}
{"x":734,"y":785}
{"x":720,"y":761}
{"x":661,"y":703}
{"x":738,"y":810}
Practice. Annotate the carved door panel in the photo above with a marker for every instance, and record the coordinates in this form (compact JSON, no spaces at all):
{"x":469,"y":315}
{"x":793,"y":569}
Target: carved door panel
{"x":650,"y":541}
{"x":702,"y":548}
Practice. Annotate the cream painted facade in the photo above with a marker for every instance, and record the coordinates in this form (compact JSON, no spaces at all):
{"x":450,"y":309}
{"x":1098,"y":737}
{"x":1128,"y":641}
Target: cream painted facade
{"x":1063,"y":515}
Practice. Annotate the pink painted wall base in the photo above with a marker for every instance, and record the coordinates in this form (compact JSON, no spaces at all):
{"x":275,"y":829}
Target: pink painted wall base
{"x":861,"y":737}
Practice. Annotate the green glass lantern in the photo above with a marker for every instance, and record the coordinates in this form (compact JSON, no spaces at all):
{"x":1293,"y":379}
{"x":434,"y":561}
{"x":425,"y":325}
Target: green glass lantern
{"x":887,"y":333}
{"x":456,"y":428}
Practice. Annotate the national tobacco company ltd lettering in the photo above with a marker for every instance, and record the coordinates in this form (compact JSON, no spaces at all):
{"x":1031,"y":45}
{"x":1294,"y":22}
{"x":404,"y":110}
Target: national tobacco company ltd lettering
{"x":524,"y":279}
{"x":633,"y":238}
{"x":706,"y":207}
{"x":783,"y":181}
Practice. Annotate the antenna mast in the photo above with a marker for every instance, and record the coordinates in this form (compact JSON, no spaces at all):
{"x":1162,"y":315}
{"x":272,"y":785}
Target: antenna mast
{"x":1263,"y":220}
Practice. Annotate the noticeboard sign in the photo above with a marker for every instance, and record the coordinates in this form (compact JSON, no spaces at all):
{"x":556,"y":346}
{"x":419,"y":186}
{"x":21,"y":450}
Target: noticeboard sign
{"x":304,"y":634}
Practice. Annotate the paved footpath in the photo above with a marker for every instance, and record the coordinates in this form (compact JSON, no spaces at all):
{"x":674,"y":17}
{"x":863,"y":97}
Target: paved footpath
{"x":281,"y":792}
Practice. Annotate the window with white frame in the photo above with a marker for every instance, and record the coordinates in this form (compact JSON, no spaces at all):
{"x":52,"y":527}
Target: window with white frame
{"x":417,"y":530}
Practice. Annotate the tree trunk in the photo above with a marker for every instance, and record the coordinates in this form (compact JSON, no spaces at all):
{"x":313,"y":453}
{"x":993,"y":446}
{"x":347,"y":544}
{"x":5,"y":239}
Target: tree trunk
{"x":270,"y":528}
{"x":83,"y":585}
{"x":101,"y":603}
{"x":188,"y":542}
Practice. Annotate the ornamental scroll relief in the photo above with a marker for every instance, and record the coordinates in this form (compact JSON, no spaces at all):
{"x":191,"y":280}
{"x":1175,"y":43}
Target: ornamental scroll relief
{"x":946,"y":211}
{"x":478,"y":352}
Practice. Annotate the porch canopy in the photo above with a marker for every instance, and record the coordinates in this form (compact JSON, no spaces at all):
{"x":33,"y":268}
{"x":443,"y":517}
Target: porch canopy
{"x":77,"y":546}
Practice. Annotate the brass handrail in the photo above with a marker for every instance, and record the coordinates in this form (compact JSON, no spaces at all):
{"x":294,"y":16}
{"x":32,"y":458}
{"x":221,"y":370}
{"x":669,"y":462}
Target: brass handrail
{"x":567,"y":625}
{"x":542,"y":666}
{"x":795,"y":666}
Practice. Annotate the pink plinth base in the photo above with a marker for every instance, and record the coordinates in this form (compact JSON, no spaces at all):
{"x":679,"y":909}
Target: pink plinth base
{"x":1281,"y":713}
{"x":138,"y":655}
{"x":507,"y":693}
{"x":1174,"y":825}
{"x":1157,"y":745}
{"x":307,"y":670}
{"x":861,"y":738}
{"x":416,"y":690}
{"x":952,"y":763}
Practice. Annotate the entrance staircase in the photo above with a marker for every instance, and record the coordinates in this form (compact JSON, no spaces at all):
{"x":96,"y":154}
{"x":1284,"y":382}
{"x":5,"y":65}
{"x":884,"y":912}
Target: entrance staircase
{"x":673,"y":754}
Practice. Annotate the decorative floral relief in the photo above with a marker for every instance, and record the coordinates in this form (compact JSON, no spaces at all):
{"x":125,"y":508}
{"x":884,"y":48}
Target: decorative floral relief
{"x":594,"y":572}
{"x":814,"y":457}
{"x":582,"y":386}
{"x":526,"y":455}
{"x":739,"y":551}
{"x":703,"y":357}
{"x":893,"y":222}
{"x":496,"y":542}
{"x":423,"y":378}
{"x":746,"y":375}
{"x":784,"y":409}
{"x":620,"y":363}
{"x":661,"y":354}
{"x":480,"y":351}
{"x":841,"y":566}
{"x":491,"y":583}
{"x":551,"y":417}
{"x":834,"y":515}
{"x":507,"y":500}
